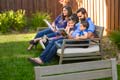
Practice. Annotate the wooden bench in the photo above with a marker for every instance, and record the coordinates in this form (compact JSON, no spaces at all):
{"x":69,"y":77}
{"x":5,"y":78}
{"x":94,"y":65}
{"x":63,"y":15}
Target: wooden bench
{"x":94,"y":51}
{"x":78,"y":71}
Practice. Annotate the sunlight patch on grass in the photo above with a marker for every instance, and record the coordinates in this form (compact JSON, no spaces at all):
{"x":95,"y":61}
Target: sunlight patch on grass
{"x":16,"y":37}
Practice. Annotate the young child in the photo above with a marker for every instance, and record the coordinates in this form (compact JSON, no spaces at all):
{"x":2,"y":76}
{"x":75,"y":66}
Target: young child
{"x":83,"y":34}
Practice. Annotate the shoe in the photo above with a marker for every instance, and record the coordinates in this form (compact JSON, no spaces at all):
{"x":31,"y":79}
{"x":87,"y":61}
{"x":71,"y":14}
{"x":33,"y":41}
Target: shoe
{"x":36,"y":61}
{"x":32,"y":42}
{"x":44,"y":38}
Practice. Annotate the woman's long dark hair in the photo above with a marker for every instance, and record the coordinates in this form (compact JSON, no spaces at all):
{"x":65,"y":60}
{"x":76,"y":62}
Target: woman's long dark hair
{"x":69,"y":9}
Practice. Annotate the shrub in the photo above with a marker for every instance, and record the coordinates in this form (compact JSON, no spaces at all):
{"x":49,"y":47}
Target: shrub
{"x":10,"y":20}
{"x":37,"y":20}
{"x":115,"y":38}
{"x":19,"y":21}
{"x":6,"y":20}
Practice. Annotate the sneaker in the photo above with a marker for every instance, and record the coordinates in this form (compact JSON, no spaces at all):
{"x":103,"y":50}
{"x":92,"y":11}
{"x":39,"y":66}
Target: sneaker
{"x":44,"y":38}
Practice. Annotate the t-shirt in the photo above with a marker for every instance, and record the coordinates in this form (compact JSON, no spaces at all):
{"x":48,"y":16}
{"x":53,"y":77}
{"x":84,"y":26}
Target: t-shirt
{"x":82,"y":33}
{"x":60,"y":23}
{"x":91,"y":27}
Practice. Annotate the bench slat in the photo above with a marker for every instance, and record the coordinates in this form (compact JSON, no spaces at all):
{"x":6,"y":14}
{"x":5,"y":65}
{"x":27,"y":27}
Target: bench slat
{"x":81,"y":58}
{"x":56,"y":69}
{"x":81,"y":76}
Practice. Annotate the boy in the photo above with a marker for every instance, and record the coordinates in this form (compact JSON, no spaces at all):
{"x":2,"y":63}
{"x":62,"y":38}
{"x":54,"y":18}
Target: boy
{"x":83,"y":34}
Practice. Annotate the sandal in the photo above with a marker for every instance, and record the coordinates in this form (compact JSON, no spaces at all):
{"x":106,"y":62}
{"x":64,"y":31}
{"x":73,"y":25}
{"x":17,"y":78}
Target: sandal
{"x":35,"y":61}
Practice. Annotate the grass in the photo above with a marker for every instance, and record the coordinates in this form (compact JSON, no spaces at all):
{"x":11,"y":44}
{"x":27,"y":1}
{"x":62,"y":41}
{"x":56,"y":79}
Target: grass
{"x":13,"y":57}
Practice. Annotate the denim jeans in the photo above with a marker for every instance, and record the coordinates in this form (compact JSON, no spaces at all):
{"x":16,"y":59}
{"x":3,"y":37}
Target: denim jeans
{"x":50,"y":51}
{"x":47,"y":32}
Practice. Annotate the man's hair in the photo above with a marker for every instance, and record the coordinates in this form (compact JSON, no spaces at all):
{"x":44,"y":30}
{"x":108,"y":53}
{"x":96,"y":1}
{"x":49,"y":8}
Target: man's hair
{"x":85,"y":23}
{"x":82,"y":10}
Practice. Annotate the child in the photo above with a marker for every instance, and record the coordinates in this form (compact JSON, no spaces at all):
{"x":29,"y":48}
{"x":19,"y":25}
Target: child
{"x":83,"y":34}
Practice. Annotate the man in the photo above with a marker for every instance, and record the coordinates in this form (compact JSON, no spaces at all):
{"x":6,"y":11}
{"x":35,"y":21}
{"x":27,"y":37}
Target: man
{"x":82,"y":15}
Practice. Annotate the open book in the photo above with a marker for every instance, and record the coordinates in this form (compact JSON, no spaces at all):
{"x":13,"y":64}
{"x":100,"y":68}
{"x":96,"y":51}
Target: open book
{"x":50,"y":26}
{"x":63,"y":32}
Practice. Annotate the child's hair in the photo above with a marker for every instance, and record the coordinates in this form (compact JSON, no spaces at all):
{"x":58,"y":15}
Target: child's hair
{"x":74,"y":18}
{"x":85,"y":23}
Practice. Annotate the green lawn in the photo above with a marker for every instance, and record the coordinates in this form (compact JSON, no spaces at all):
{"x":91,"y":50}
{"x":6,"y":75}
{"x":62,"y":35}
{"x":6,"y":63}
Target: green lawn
{"x":13,"y":57}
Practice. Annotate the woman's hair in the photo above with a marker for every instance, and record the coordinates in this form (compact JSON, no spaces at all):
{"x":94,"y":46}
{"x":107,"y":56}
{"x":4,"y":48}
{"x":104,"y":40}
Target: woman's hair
{"x":69,"y":9}
{"x":74,"y":18}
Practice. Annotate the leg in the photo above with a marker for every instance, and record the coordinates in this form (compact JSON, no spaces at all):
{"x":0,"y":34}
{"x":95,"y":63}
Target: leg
{"x":40,"y":34}
{"x":43,"y":32}
{"x":47,"y":54}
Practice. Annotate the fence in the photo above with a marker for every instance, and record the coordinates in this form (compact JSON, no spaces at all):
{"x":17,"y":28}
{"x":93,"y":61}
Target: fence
{"x":31,"y":6}
{"x":104,"y":12}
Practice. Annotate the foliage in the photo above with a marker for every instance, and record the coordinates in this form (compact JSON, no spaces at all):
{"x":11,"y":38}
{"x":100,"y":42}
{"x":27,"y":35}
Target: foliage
{"x":19,"y":20}
{"x":115,"y":38}
{"x":12,"y":20}
{"x":37,"y":20}
{"x":6,"y":20}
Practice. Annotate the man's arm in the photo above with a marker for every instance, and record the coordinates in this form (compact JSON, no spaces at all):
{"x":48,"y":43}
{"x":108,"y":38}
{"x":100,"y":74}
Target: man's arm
{"x":90,"y":35}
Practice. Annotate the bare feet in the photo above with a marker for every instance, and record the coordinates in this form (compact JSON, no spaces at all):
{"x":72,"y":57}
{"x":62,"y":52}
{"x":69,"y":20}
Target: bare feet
{"x":37,"y":61}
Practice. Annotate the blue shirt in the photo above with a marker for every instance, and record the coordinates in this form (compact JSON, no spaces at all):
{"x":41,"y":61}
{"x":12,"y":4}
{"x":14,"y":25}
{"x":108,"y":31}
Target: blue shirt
{"x":60,"y":23}
{"x":75,"y":33}
{"x":82,"y":33}
{"x":91,"y":27}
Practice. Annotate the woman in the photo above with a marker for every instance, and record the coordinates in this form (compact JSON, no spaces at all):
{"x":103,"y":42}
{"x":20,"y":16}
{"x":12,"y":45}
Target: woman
{"x":51,"y":48}
{"x":60,"y":22}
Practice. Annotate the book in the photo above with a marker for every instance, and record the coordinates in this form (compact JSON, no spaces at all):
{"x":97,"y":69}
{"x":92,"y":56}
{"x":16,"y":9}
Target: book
{"x":63,"y":32}
{"x":50,"y":26}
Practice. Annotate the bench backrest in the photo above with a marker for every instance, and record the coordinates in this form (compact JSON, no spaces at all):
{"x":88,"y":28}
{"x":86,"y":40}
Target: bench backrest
{"x":99,"y":31}
{"x":78,"y":71}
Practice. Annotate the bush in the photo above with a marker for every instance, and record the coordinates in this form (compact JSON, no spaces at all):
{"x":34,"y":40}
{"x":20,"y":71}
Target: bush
{"x":10,"y":20}
{"x":19,"y":21}
{"x":6,"y":20}
{"x":37,"y":20}
{"x":115,"y":38}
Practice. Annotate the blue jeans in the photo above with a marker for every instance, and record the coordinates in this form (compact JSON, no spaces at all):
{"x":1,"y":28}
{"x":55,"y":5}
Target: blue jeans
{"x":47,"y":32}
{"x":50,"y":51}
